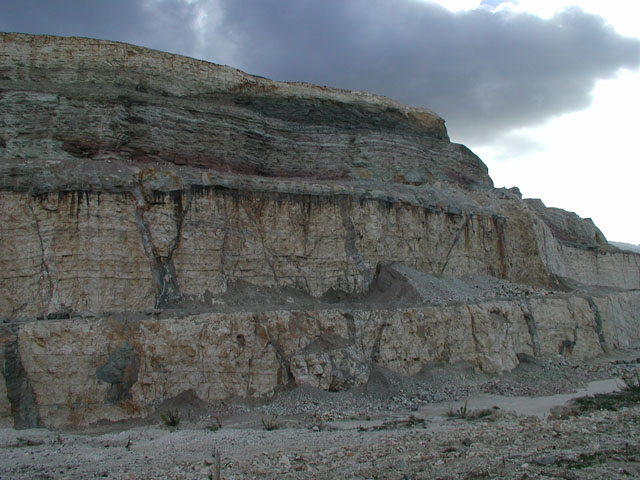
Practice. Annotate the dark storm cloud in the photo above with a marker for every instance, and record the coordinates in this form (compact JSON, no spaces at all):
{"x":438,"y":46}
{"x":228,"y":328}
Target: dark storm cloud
{"x":485,"y":73}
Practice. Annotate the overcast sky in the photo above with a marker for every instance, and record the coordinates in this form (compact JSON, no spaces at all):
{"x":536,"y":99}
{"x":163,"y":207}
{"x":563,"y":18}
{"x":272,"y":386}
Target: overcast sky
{"x":545,"y":91}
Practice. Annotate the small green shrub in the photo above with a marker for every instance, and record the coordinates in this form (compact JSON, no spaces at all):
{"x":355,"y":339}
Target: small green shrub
{"x":215,"y":426}
{"x":461,"y":412}
{"x":271,"y":423}
{"x":628,"y":395}
{"x":171,"y":418}
{"x":466,"y":413}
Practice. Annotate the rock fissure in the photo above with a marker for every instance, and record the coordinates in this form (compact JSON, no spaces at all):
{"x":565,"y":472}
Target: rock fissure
{"x":464,"y":226}
{"x":47,"y":293}
{"x":121,"y":371}
{"x":566,"y":346}
{"x":525,"y":307}
{"x":351,"y":247}
{"x":267,"y":255}
{"x":498,"y":223}
{"x":180,"y":213}
{"x":162,"y":266}
{"x":598,"y":326}
{"x":24,"y":405}
{"x":377,"y":343}
{"x":351,"y":327}
{"x":224,"y":249}
{"x":284,"y":376}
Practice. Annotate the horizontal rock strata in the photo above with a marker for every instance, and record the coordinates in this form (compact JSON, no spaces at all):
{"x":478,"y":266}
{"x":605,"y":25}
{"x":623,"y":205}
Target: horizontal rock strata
{"x":81,"y":98}
{"x":255,"y":353}
{"x":170,"y":225}
{"x":101,"y":252}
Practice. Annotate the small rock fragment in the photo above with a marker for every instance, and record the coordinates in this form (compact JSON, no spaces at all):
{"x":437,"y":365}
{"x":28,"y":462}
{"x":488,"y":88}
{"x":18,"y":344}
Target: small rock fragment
{"x":546,"y":460}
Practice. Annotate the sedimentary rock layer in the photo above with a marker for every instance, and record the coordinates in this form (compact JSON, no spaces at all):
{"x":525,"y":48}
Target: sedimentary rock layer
{"x":81,"y":251}
{"x":83,"y":98}
{"x":77,"y":251}
{"x":170,"y":224}
{"x":84,"y":370}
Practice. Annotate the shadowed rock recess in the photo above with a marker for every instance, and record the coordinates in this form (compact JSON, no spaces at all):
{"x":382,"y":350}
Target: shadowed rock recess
{"x":173,"y":225}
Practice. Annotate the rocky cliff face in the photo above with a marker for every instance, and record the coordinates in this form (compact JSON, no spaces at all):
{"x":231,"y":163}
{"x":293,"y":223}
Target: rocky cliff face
{"x":171,"y":224}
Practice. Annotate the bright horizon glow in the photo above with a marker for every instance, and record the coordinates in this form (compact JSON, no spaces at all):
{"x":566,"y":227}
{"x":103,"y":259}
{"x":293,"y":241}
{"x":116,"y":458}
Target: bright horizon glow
{"x":586,"y":161}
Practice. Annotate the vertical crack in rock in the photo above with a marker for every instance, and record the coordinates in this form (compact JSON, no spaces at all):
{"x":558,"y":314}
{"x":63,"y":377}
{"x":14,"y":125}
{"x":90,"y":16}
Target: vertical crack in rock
{"x":599,"y":329}
{"x":249,"y":373}
{"x":172,"y":293}
{"x":162,"y":267}
{"x":498,"y":223}
{"x":223,"y":250}
{"x":351,"y":327}
{"x":455,"y":241}
{"x":265,"y":250}
{"x":285,"y":376}
{"x":474,"y":333}
{"x":567,"y":346}
{"x":350,"y":244}
{"x":545,"y":248}
{"x":19,"y":391}
{"x":531,"y":326}
{"x":375,"y":352}
{"x":45,"y":273}
{"x":121,"y":371}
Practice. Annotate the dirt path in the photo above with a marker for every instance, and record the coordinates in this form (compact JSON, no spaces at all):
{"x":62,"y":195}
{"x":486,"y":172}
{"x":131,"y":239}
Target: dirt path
{"x":536,"y":406}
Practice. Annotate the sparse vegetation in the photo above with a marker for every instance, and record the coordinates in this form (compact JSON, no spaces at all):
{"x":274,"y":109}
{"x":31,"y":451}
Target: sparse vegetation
{"x":628,"y":395}
{"x":271,"y":423}
{"x":466,"y":413}
{"x":461,"y":412}
{"x":215,"y":425}
{"x":171,"y":418}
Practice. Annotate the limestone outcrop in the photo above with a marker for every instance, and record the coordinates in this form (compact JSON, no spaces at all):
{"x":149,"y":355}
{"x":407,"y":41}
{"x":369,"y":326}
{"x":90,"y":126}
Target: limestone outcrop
{"x":170,"y":224}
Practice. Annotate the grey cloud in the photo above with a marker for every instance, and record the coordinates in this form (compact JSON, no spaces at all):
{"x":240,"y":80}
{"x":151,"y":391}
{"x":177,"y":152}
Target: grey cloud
{"x":486,"y":73}
{"x":514,"y":143}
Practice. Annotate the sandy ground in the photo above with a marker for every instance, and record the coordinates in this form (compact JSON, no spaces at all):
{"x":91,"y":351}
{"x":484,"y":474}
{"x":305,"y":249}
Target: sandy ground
{"x":392,"y":430}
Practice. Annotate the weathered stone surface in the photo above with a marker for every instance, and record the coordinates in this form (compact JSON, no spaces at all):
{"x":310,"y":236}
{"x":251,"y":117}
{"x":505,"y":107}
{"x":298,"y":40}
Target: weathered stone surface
{"x":253,"y":353}
{"x":121,"y":371}
{"x":69,"y":251}
{"x":597,"y":267}
{"x":567,"y":227}
{"x":152,"y":106}
{"x":172,"y":225}
{"x":104,"y":252}
{"x":21,"y":406}
{"x":331,"y":363}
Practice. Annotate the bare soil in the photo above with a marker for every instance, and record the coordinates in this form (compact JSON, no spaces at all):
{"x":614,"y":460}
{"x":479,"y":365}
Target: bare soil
{"x":448,"y":422}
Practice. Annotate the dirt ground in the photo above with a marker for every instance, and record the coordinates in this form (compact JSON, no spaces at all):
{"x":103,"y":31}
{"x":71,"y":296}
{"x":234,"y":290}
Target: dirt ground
{"x":448,"y":422}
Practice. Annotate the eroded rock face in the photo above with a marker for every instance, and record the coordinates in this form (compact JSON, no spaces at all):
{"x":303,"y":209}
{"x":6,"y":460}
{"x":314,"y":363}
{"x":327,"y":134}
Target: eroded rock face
{"x":75,"y":364}
{"x":172,"y":225}
{"x":104,"y":252}
{"x":87,"y":98}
